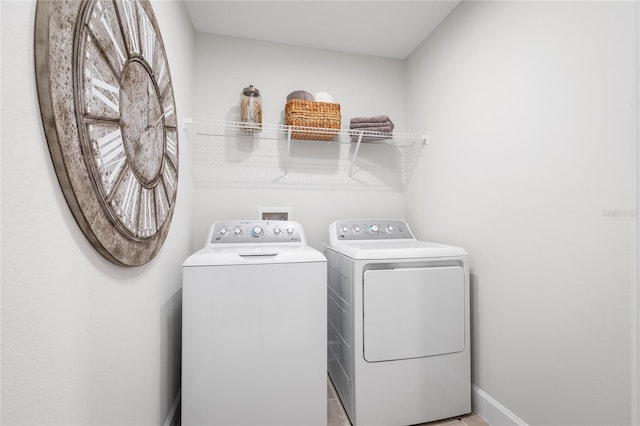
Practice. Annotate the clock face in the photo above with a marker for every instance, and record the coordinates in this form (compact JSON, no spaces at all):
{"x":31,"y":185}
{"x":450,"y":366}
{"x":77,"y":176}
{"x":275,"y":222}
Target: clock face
{"x":109,"y":115}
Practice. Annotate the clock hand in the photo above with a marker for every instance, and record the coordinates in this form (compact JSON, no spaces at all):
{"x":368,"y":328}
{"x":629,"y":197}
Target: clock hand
{"x":150,"y":126}
{"x":148,"y":103}
{"x":145,"y":135}
{"x":158,"y":120}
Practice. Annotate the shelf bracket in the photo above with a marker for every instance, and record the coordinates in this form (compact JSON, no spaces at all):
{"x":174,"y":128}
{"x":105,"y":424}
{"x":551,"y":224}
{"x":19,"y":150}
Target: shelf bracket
{"x":286,"y":160}
{"x":355,"y":154}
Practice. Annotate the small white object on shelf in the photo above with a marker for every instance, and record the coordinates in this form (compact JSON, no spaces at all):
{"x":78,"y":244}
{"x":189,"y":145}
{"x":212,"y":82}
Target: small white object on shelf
{"x":323,"y":97}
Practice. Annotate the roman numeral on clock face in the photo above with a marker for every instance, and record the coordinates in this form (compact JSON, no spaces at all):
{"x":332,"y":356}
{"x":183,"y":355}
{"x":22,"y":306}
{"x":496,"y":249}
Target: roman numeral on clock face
{"x":147,"y":225}
{"x":172,"y":146}
{"x":169,"y":176}
{"x":162,"y":204}
{"x":101,"y":85}
{"x":126,"y":199}
{"x":104,"y":91}
{"x":104,"y":27}
{"x":169,"y":109}
{"x":129,"y":19}
{"x":148,"y":39}
{"x":108,"y":152}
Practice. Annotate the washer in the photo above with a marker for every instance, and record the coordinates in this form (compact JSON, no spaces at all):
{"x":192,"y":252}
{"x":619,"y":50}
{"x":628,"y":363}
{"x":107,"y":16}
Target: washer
{"x":398,"y":324}
{"x":254,"y":328}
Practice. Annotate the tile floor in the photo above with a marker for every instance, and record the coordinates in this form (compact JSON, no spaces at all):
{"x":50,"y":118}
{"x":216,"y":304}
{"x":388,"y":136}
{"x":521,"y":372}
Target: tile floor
{"x":337,"y":417}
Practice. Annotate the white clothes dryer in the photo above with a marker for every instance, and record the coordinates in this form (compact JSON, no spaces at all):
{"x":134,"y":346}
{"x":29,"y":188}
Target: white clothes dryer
{"x":398,"y":324}
{"x":254,"y":328}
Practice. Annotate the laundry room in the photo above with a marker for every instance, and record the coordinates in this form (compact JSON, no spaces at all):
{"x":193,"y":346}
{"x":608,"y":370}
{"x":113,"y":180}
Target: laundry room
{"x":516,"y":139}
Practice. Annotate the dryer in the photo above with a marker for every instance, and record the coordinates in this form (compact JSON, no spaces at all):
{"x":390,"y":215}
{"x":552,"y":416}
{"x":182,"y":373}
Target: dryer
{"x":398,"y":324}
{"x":254,"y":333}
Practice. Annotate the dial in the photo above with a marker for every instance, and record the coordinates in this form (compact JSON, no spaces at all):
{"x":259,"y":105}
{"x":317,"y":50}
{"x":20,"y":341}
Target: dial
{"x":114,"y":141}
{"x":374,"y":229}
{"x":257,"y":231}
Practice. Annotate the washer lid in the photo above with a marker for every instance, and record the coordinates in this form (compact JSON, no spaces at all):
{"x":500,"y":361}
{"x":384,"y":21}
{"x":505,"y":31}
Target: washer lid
{"x":254,"y":255}
{"x":395,"y":249}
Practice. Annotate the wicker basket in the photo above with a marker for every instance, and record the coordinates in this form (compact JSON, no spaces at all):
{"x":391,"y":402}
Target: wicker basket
{"x":312,"y":120}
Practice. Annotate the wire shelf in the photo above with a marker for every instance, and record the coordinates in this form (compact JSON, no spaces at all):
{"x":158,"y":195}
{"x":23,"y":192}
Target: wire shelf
{"x":205,"y":127}
{"x":268,"y":147}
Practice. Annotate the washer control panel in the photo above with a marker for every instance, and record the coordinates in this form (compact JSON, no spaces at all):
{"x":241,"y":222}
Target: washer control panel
{"x":372,"y":230}
{"x":256,"y":232}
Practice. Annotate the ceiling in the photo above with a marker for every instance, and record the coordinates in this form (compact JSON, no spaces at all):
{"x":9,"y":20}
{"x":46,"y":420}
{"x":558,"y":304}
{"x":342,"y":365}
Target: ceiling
{"x":390,"y":29}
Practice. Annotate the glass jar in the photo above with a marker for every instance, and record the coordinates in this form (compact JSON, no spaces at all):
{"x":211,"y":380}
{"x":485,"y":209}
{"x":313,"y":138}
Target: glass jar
{"x":251,"y":108}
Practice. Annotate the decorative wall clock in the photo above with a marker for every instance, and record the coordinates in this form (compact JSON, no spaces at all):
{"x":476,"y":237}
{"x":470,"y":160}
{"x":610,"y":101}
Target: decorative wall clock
{"x":109,"y":116}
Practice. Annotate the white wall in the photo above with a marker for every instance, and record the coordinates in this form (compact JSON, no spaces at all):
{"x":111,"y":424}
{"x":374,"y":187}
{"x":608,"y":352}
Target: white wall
{"x":531,"y":113}
{"x":362,"y":85}
{"x":83,"y":341}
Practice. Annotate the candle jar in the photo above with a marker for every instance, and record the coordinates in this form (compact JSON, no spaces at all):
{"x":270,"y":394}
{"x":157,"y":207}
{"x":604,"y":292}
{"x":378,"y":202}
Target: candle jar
{"x":250,"y":109}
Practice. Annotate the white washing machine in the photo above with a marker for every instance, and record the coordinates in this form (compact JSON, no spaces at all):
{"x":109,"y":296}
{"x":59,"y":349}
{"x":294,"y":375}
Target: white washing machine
{"x":398,"y":324}
{"x":254,"y":328}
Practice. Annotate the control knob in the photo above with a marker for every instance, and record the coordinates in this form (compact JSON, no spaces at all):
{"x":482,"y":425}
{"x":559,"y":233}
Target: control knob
{"x":257,"y":231}
{"x":374,"y":229}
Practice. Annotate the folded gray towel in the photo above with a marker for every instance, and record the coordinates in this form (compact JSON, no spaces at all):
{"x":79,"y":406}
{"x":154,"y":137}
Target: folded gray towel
{"x":384,"y":129}
{"x":370,"y":125}
{"x":374,"y":119}
{"x":372,"y":133}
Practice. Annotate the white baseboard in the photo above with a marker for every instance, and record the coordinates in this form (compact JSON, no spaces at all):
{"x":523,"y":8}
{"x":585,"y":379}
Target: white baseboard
{"x":491,"y":410}
{"x":173,"y":419}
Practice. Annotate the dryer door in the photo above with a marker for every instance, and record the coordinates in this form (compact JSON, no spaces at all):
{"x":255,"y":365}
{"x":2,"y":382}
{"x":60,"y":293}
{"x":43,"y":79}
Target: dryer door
{"x":413,"y":312}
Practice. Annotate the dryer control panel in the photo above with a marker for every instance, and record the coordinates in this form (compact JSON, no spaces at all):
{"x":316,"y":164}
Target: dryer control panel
{"x":256,"y":232}
{"x":363,"y":229}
